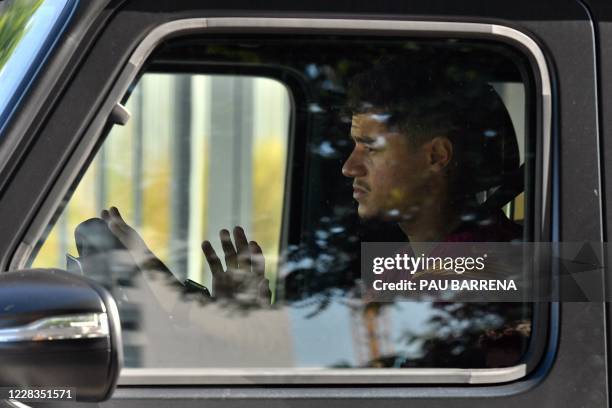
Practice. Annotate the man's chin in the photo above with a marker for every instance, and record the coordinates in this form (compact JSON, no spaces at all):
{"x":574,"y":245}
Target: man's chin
{"x":364,"y":214}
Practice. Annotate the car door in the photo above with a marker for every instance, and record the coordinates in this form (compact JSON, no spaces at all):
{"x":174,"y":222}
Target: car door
{"x":601,"y":14}
{"x":263,"y":87}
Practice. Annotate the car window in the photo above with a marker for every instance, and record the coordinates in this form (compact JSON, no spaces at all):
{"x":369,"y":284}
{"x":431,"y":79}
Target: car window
{"x":28,"y":30}
{"x":311,"y":154}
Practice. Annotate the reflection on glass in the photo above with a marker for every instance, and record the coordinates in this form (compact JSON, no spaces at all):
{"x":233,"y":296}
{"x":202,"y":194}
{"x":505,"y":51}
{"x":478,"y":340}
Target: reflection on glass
{"x":411,"y":148}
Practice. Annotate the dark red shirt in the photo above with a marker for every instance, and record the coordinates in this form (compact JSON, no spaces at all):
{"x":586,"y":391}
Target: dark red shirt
{"x":494,"y":228}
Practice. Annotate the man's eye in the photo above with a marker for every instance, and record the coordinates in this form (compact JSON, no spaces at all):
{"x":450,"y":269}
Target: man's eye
{"x":369,"y":149}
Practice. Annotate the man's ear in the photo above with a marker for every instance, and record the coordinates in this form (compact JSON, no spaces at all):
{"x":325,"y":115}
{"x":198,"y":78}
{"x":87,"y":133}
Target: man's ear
{"x":440,"y":153}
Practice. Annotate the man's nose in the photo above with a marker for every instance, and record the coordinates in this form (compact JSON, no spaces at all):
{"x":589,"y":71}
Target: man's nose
{"x":353,"y":166}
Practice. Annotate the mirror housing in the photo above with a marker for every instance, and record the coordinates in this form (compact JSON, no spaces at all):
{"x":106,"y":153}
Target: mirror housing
{"x":59,"y":330}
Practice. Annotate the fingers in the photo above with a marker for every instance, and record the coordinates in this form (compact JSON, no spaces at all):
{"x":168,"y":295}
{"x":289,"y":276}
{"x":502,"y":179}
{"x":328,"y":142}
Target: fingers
{"x":245,"y":262}
{"x":114,"y":220}
{"x":125,"y":233}
{"x":231,"y":257}
{"x":113,"y":225}
{"x":119,"y":232}
{"x":257,"y":260}
{"x":115,"y":215}
{"x":115,"y":212}
{"x":242,"y":246}
{"x":213,"y":260}
{"x":265,"y":294}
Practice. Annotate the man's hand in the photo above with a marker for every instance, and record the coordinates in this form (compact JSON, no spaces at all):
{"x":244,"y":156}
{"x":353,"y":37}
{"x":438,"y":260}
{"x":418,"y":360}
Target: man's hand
{"x":127,"y":236}
{"x":143,"y":257}
{"x":153,"y":268}
{"x":244,"y":280}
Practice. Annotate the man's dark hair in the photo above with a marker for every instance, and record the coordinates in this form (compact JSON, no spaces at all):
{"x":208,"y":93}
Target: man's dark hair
{"x":425,"y":96}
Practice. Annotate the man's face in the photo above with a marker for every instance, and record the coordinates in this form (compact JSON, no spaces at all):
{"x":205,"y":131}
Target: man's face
{"x":390,"y":175}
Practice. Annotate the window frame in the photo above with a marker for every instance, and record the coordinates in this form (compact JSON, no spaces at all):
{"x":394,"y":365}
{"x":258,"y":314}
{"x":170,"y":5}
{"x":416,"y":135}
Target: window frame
{"x":543,"y":122}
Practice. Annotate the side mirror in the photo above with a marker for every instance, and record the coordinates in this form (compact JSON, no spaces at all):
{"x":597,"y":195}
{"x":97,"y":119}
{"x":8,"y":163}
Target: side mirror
{"x":58,"y":330}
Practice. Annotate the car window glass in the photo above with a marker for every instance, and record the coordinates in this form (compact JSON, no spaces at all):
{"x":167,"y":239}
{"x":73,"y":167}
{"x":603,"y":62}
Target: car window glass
{"x":311,"y":154}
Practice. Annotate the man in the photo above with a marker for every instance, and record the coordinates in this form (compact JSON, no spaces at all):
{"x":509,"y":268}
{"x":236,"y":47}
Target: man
{"x":427,"y":140}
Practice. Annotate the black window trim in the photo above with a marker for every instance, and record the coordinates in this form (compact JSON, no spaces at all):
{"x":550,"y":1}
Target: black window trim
{"x":163,"y":32}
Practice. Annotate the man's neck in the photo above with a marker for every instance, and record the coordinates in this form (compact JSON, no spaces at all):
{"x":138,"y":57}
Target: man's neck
{"x":433,"y":224}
